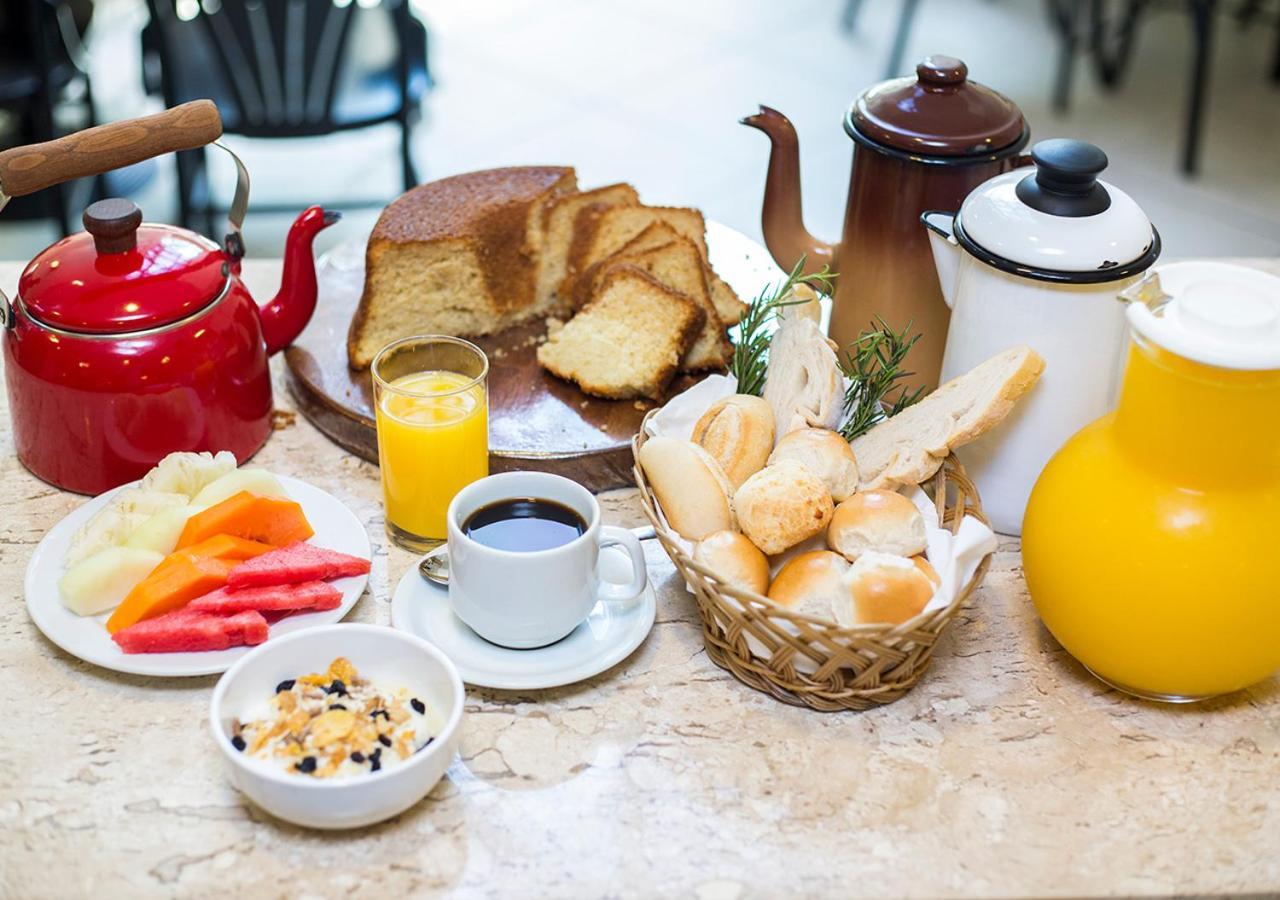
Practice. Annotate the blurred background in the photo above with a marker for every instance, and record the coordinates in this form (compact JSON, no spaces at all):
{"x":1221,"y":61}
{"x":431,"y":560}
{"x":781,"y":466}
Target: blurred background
{"x":344,"y":102}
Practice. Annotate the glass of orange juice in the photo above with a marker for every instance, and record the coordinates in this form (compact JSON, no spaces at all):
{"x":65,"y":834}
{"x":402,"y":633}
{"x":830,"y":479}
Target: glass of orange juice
{"x":432,"y":406}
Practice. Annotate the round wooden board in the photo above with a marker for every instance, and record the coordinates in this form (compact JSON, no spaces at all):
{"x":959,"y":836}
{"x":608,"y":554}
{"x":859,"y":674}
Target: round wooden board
{"x":536,"y":421}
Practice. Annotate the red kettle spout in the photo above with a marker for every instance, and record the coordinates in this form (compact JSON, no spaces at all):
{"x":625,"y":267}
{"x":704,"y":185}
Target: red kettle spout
{"x":289,"y":311}
{"x":781,"y":218}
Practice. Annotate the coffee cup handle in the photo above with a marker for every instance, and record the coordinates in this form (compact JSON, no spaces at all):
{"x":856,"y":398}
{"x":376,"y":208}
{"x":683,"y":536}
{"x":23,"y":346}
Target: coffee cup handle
{"x":611,"y":536}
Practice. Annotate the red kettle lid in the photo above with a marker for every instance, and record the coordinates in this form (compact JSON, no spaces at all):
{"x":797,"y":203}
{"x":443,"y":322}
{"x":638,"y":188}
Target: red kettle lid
{"x":937,"y":113}
{"x":121,"y":276}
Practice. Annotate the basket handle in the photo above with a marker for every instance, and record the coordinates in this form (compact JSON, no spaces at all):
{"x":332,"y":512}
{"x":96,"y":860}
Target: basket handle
{"x":94,"y":151}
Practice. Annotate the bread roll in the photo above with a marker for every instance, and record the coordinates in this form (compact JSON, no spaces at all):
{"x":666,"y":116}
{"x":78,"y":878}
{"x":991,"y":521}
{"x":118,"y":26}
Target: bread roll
{"x":690,"y":486}
{"x":738,"y":433}
{"x":927,"y":568}
{"x":809,"y":583}
{"x":881,"y":588}
{"x":876,"y":520}
{"x":781,"y":505}
{"x":824,"y":453}
{"x":735,"y":560}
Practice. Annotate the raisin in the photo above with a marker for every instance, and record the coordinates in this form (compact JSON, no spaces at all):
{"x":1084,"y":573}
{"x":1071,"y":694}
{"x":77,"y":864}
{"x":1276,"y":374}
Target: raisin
{"x":337,"y":687}
{"x":238,"y":743}
{"x":307,"y":764}
{"x":286,"y":685}
{"x":384,"y":740}
{"x":379,"y":712}
{"x":336,"y":706}
{"x":418,"y":706}
{"x":374,"y":764}
{"x":357,"y":756}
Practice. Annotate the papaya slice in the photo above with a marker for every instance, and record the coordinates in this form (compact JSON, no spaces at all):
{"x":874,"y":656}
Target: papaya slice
{"x":267,"y":520}
{"x":220,"y":546}
{"x":227,"y":546}
{"x":171,"y":585}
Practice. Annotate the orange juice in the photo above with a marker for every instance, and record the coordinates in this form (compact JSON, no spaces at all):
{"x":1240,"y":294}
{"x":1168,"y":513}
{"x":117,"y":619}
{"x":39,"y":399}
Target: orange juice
{"x":433,"y":440}
{"x":1148,"y":543}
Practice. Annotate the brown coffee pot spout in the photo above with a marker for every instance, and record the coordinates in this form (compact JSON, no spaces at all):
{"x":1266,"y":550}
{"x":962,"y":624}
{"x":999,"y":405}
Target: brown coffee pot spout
{"x":781,"y":217}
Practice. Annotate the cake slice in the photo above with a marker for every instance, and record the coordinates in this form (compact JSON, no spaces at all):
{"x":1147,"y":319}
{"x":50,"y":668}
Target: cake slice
{"x":555,"y":234}
{"x":654,"y":235}
{"x":679,"y":267}
{"x":910,"y":447}
{"x":628,"y":341}
{"x":448,"y":258}
{"x":602,"y":231}
{"x":729,"y":306}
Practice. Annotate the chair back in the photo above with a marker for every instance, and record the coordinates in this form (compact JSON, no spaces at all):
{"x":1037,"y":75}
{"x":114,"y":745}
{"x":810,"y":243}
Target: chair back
{"x":273,"y":66}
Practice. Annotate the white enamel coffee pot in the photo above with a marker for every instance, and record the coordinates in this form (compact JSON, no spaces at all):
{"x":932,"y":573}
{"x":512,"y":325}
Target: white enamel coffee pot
{"x":1037,"y":257}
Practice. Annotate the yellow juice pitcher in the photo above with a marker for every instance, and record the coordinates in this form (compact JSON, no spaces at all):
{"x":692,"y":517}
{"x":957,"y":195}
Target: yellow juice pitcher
{"x":1149,"y":539}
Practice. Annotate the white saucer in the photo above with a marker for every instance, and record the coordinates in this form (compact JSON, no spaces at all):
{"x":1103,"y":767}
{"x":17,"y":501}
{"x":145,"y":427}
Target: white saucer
{"x":606,"y":638}
{"x":336,"y":527}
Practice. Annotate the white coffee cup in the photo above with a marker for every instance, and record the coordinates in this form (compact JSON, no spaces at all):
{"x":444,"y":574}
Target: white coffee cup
{"x":527,"y":599}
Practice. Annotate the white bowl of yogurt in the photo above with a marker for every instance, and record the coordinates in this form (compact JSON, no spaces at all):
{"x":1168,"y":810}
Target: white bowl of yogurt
{"x":335,"y":755}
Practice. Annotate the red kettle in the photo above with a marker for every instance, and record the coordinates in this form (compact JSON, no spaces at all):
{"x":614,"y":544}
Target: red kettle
{"x":131,"y":340}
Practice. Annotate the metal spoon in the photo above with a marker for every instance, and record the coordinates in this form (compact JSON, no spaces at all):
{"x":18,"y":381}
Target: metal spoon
{"x":435,"y":565}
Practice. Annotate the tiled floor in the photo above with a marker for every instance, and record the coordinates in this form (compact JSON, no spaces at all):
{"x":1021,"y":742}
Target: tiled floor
{"x":651,"y":92}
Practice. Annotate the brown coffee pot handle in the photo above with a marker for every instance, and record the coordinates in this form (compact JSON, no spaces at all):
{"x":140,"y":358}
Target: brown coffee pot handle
{"x":25,"y":170}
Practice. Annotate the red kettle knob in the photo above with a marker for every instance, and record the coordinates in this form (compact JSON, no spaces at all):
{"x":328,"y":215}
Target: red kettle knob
{"x":114,"y":224}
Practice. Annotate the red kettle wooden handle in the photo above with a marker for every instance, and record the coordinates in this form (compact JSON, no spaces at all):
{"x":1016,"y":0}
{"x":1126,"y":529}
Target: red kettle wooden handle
{"x":25,"y":170}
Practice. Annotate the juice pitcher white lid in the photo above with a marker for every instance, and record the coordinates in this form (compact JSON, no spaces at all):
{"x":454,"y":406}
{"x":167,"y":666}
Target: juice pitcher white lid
{"x":1216,"y":313}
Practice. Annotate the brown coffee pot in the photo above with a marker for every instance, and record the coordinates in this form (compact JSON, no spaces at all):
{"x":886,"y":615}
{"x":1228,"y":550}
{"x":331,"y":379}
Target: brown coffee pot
{"x":921,"y":143}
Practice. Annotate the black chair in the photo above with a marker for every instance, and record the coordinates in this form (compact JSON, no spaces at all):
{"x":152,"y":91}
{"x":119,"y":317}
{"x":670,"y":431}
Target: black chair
{"x":284,"y":69}
{"x":42,"y":77}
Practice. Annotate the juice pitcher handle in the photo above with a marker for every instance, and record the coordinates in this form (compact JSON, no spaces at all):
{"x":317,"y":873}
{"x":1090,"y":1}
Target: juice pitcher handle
{"x":25,"y":170}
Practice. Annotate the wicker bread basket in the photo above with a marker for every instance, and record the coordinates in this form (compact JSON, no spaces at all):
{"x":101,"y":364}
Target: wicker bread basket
{"x":806,"y":661}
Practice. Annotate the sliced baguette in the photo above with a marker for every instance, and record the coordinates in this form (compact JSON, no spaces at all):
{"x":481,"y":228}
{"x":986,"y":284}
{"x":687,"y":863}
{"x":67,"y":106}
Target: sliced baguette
{"x":910,"y":447}
{"x":628,"y":341}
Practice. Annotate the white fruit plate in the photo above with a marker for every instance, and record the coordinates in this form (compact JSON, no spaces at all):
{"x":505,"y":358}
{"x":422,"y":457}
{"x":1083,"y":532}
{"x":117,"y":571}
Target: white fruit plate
{"x":336,"y":528}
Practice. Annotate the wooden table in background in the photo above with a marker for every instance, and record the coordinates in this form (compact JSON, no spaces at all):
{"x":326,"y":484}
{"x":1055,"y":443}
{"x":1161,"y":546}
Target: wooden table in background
{"x":1008,"y":771}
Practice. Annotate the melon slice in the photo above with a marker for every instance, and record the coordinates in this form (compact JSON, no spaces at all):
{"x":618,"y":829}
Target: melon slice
{"x":308,"y":595}
{"x":255,"y":481}
{"x":295,"y":564}
{"x":186,"y":631}
{"x":268,"y":520}
{"x":101,"y":581}
{"x":160,"y":532}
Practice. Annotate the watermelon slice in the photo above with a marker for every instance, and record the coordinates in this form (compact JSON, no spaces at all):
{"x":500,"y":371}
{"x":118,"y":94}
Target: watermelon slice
{"x":185,"y":630}
{"x":294,"y":564}
{"x":308,"y":595}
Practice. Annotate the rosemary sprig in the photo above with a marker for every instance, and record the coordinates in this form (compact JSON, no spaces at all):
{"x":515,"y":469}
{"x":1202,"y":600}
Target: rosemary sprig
{"x":750,"y":360}
{"x":873,"y":364}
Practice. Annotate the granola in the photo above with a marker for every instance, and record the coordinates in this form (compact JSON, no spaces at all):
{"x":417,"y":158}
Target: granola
{"x":336,"y":724}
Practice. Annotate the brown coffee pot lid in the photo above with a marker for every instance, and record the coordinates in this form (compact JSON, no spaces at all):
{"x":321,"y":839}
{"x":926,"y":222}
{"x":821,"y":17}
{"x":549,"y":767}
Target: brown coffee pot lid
{"x":939,"y":112}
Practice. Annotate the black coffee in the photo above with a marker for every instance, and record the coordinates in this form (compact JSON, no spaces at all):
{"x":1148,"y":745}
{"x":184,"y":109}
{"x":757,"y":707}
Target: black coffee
{"x":524,"y":525}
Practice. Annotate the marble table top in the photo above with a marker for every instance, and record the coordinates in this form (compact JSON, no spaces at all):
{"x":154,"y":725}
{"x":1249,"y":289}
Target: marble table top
{"x":1008,"y":771}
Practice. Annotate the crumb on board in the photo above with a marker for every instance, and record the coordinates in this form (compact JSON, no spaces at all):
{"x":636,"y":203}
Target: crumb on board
{"x":282,"y":419}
